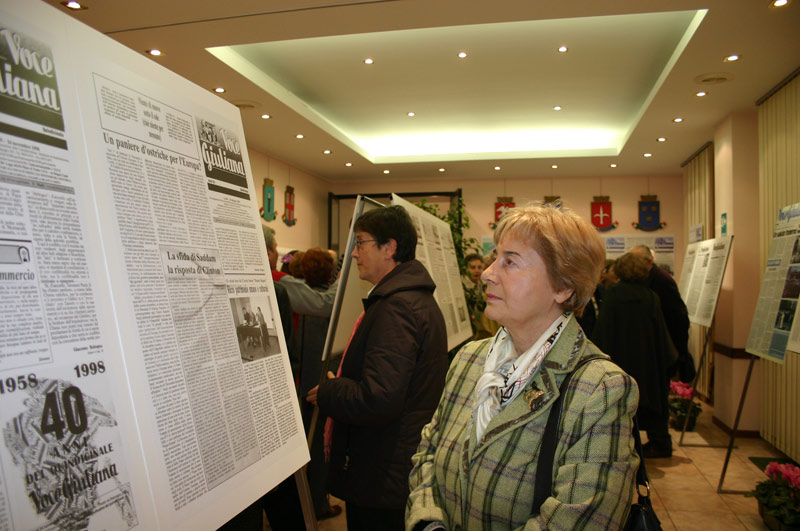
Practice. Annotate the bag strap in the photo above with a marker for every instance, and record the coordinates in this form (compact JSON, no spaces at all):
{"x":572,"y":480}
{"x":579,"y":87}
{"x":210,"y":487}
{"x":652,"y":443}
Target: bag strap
{"x":544,"y":466}
{"x":641,"y":474}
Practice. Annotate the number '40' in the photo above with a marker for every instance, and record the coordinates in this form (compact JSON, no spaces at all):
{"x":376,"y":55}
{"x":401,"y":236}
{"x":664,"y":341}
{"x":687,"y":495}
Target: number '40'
{"x":69,"y":411}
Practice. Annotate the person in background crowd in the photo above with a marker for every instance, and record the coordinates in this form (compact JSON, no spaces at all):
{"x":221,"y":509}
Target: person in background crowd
{"x":607,"y":279}
{"x":475,"y":293}
{"x":592,"y":310}
{"x":296,"y":264}
{"x":476,"y":464}
{"x":676,"y":316}
{"x":390,"y":378}
{"x":474,"y":269}
{"x":309,"y":342}
{"x":631,"y":329}
{"x":272,"y":252}
{"x":286,"y":261}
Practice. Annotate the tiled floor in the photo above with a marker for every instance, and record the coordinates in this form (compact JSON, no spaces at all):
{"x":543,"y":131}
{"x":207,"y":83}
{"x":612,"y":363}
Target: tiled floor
{"x":684,"y":487}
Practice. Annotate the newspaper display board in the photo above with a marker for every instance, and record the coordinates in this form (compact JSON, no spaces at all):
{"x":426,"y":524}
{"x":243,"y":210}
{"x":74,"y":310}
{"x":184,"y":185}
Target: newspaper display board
{"x":662,"y":245}
{"x":701,"y":277}
{"x":351,"y":292}
{"x":144,"y":382}
{"x":436,"y":251}
{"x":774,"y":329}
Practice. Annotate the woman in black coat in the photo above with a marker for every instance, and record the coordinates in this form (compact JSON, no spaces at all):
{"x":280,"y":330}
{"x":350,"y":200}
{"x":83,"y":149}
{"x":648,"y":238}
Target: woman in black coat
{"x":632,"y":331}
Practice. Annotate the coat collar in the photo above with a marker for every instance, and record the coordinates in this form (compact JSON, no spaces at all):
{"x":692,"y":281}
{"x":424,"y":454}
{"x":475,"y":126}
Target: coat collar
{"x":541,"y":391}
{"x":410,"y":275}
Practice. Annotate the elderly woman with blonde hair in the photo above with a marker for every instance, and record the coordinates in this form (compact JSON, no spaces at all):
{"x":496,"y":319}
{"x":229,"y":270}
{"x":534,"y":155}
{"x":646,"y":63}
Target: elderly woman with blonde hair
{"x":476,"y":464}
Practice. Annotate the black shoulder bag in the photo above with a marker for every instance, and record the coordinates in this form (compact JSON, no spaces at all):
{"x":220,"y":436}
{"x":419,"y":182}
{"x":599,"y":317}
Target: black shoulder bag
{"x":642,"y":517}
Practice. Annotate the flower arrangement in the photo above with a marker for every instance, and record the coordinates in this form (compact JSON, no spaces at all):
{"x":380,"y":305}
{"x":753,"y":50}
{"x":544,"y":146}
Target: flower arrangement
{"x":681,"y":404}
{"x":779,"y":496}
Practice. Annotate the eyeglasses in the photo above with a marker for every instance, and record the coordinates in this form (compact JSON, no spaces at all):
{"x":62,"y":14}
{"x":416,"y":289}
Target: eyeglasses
{"x":359,"y":243}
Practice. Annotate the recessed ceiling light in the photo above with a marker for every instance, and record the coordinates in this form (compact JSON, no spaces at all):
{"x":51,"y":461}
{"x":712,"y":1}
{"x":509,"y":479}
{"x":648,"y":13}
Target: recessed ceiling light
{"x":219,"y":90}
{"x":497,"y":168}
{"x":348,"y":164}
{"x":154,"y":52}
{"x":562,"y":49}
{"x":266,"y":116}
{"x":368,"y":61}
{"x":779,"y":3}
{"x":73,"y":5}
{"x":299,"y":136}
{"x":557,"y":108}
{"x":412,"y":114}
{"x":441,"y":169}
{"x":731,"y":58}
{"x":386,"y":171}
{"x":648,"y":155}
{"x":462,"y":54}
{"x":612,"y":165}
{"x":661,"y":139}
{"x":327,"y":152}
{"x":554,"y":166}
{"x":677,"y":120}
{"x":701,"y":93}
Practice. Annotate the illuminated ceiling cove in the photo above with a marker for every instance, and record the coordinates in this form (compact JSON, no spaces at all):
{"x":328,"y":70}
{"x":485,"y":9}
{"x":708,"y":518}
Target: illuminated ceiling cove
{"x":496,"y":103}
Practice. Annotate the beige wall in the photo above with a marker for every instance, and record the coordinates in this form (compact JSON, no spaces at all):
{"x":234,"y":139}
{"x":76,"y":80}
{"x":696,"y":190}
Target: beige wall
{"x":736,"y":194}
{"x":310,"y":202}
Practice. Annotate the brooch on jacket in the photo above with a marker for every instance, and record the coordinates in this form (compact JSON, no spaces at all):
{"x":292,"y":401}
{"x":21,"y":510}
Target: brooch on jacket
{"x":534,"y":398}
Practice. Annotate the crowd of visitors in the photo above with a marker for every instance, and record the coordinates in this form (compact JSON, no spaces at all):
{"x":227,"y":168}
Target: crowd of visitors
{"x":407,"y":444}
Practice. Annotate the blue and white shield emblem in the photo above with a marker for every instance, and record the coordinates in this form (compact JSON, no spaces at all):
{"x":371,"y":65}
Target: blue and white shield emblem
{"x":649,"y":215}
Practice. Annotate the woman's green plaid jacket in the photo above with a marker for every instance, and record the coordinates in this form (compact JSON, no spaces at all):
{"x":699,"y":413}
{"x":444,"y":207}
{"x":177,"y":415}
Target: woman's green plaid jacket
{"x":489,"y":484}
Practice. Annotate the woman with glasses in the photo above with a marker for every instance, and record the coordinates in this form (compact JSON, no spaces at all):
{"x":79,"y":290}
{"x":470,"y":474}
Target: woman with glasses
{"x":390,"y":378}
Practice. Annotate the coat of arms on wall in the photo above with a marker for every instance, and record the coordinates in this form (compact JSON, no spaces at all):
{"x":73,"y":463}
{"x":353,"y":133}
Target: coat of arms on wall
{"x":553,"y":199}
{"x":503,"y":205}
{"x":288,"y":215}
{"x":268,"y":209}
{"x":601,"y":214}
{"x":649,"y":214}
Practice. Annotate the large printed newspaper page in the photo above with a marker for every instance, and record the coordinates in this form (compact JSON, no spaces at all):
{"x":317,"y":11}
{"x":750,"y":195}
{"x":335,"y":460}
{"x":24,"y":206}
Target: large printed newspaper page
{"x":436,"y":251}
{"x":144,"y":382}
{"x":701,"y":277}
{"x":774,"y":329}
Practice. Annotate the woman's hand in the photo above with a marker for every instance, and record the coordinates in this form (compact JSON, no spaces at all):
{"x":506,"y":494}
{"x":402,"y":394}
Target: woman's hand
{"x":312,"y":394}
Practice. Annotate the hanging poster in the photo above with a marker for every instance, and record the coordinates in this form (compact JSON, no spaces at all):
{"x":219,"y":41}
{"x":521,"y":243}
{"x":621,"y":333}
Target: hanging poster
{"x":774,"y":329}
{"x":701,"y":277}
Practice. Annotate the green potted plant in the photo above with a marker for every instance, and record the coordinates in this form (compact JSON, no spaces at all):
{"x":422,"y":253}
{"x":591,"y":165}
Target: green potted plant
{"x":681,"y":404}
{"x":779,"y":497}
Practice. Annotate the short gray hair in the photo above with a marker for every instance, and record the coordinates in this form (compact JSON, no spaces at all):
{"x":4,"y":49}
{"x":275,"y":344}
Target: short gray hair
{"x":269,"y":236}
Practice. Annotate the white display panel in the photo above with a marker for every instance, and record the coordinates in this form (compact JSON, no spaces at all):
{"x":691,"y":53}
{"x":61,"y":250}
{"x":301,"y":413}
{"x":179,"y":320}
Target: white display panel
{"x":436,"y":251}
{"x":701,"y":277}
{"x":774,"y":329}
{"x":135,"y":393}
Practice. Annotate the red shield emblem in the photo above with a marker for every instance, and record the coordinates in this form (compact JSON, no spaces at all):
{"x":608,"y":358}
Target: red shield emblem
{"x":601,"y":215}
{"x":500,"y":210}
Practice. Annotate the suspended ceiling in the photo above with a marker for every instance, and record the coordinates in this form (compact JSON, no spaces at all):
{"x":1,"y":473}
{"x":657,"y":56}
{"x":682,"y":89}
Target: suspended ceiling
{"x":630,"y":68}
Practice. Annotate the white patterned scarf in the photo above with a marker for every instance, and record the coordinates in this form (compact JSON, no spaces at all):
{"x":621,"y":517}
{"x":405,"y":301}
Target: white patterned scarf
{"x":506,"y":373}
